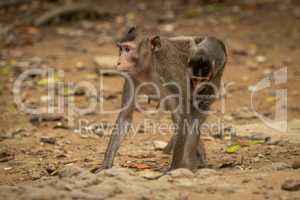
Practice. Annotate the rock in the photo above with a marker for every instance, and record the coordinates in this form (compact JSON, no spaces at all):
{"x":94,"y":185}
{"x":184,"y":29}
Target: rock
{"x":159,"y":145}
{"x":87,"y":25}
{"x":267,"y":72}
{"x":141,"y":129}
{"x":5,"y":155}
{"x":202,"y":173}
{"x":5,"y":135}
{"x":115,"y":171}
{"x":61,"y":125}
{"x":48,"y":140}
{"x":185,"y":182}
{"x":280,"y":166}
{"x":291,"y":185}
{"x":244,"y":113}
{"x":252,"y":65}
{"x":296,"y":164}
{"x":147,"y":174}
{"x":279,"y":142}
{"x":181,"y":173}
{"x":35,"y":175}
{"x":260,"y":176}
{"x":17,"y":133}
{"x":228,"y":118}
{"x":261,"y":59}
{"x":36,"y":119}
{"x":51,"y":168}
{"x":168,"y":28}
{"x":239,"y":51}
{"x":252,"y":88}
{"x":70,"y":171}
{"x":80,"y":66}
{"x":223,"y":187}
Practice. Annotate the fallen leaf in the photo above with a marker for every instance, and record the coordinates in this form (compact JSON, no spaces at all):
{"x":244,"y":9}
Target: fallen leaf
{"x":47,"y":81}
{"x":232,"y":148}
{"x":54,"y":173}
{"x":270,"y":99}
{"x":193,"y":12}
{"x":90,"y":76}
{"x":253,"y":142}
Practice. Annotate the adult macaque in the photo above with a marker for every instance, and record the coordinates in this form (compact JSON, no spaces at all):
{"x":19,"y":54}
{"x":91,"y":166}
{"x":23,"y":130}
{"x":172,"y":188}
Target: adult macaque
{"x":186,"y":61}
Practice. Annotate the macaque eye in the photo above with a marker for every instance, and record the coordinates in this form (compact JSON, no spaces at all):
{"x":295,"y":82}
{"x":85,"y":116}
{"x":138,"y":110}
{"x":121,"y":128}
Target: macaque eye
{"x":127,"y":49}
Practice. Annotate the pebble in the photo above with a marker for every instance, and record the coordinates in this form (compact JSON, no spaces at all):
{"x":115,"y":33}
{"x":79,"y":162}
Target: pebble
{"x":261,"y":59}
{"x":35,"y":119}
{"x":181,"y":173}
{"x":69,"y":171}
{"x":267,"y":72}
{"x":228,"y":118}
{"x":5,"y":155}
{"x":80,"y":66}
{"x":48,"y":140}
{"x":5,"y":135}
{"x":296,"y":164}
{"x":202,"y":173}
{"x":280,"y":166}
{"x":35,"y":175}
{"x":291,"y":185}
{"x":159,"y":145}
{"x":7,"y":168}
{"x":168,"y":28}
{"x":148,"y":174}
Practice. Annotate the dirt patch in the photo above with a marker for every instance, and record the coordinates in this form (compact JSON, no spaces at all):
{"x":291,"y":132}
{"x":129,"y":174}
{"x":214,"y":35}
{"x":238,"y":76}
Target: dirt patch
{"x":46,"y":158}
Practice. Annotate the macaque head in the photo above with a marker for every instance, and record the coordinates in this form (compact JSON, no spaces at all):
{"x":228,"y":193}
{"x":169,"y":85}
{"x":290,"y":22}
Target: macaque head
{"x":135,"y":52}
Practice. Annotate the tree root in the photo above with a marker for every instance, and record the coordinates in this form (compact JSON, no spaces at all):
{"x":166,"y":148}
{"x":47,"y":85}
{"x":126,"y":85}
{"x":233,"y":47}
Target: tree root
{"x":9,"y":3}
{"x":69,"y":9}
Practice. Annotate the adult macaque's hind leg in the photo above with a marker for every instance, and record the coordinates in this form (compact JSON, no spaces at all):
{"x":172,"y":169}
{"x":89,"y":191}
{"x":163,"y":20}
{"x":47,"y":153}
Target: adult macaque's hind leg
{"x":201,"y":154}
{"x":200,"y":151}
{"x":170,"y":146}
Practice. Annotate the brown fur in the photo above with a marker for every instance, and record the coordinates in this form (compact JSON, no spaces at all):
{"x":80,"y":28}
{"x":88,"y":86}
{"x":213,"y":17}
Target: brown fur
{"x":162,"y":60}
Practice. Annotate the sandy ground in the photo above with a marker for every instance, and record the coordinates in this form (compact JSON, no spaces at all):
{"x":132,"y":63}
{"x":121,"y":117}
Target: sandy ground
{"x":50,"y":160}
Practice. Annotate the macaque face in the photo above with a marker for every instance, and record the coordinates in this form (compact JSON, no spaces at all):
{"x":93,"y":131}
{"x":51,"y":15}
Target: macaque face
{"x":127,"y":57}
{"x":135,"y":56}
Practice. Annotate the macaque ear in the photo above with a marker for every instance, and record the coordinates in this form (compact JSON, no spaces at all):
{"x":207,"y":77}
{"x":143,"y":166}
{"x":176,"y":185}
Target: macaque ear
{"x":155,"y":43}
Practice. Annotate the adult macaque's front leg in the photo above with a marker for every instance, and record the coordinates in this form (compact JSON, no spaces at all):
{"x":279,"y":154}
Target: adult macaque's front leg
{"x":122,"y":126}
